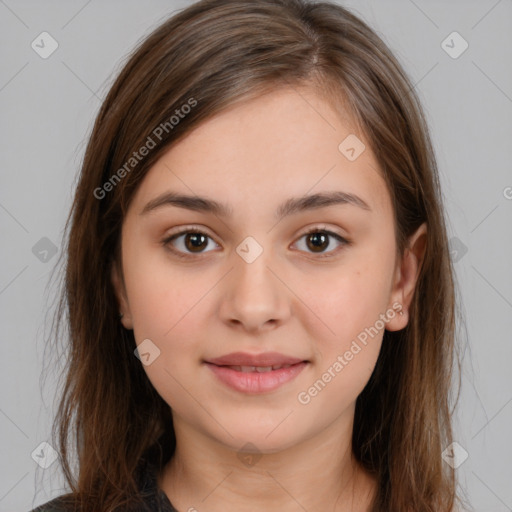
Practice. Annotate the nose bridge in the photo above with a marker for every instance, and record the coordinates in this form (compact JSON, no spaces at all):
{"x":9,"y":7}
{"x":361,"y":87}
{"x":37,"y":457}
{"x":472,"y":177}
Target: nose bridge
{"x":254,"y":295}
{"x":254,"y":275}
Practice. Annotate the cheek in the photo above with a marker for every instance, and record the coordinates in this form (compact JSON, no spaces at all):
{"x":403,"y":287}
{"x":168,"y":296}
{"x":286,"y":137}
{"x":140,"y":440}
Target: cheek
{"x":346,"y":357}
{"x":351,"y":302}
{"x":166,"y":308}
{"x":160,"y":296}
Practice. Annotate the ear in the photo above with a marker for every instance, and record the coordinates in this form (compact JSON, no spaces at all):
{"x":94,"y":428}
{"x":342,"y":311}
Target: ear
{"x":120,"y":291}
{"x":406,"y":276}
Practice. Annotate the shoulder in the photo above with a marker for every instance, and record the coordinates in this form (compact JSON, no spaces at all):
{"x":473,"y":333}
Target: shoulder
{"x":154,"y":499}
{"x":59,"y":504}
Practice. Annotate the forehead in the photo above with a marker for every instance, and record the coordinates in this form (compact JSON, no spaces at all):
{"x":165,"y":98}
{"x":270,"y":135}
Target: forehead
{"x":282,"y":143}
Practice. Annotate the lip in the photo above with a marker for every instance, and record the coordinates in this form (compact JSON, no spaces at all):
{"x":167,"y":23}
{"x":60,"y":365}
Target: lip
{"x":255,"y":382}
{"x":246,"y":359}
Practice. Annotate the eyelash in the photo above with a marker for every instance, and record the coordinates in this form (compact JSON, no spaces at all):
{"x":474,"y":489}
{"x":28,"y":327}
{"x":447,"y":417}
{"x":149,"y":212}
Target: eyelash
{"x":317,"y":229}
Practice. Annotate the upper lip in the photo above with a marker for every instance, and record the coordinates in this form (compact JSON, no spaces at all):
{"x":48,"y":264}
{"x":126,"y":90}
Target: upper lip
{"x":246,"y":359}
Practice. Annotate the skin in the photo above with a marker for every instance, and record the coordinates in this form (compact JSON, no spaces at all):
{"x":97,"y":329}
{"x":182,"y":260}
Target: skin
{"x":292,"y":300}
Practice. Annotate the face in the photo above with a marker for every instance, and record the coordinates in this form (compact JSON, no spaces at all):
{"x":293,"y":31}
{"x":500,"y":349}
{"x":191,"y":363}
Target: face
{"x":201,"y":283}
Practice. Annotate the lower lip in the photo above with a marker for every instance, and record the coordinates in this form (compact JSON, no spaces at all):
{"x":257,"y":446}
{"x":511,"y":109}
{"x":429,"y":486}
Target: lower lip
{"x":255,"y":382}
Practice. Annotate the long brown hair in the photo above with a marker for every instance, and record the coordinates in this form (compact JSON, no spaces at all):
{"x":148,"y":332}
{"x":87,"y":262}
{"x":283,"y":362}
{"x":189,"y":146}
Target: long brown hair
{"x":210,"y":56}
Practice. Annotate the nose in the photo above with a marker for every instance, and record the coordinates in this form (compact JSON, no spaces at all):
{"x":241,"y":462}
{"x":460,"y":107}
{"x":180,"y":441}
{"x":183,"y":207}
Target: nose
{"x":254,"y":296}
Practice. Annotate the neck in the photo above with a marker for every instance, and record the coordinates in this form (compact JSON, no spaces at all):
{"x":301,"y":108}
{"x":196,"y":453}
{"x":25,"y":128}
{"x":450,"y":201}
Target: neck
{"x":319,"y":474}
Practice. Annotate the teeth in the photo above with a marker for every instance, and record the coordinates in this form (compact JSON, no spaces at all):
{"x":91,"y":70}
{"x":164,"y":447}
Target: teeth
{"x":263,"y":369}
{"x":259,"y":369}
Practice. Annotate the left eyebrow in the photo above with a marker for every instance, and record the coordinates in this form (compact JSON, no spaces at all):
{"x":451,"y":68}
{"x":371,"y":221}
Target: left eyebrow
{"x":291,"y":206}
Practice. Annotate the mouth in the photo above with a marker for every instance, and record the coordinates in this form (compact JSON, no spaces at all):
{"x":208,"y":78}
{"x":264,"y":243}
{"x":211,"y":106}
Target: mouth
{"x":256,"y":379}
{"x":272,"y":360}
{"x":259,"y":369}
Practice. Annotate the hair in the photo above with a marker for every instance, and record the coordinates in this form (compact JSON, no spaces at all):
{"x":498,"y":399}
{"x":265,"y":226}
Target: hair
{"x":211,"y":56}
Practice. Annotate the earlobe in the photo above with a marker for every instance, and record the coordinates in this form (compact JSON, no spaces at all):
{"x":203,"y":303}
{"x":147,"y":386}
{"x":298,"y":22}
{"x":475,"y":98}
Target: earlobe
{"x":406,"y":277}
{"x":120,"y":291}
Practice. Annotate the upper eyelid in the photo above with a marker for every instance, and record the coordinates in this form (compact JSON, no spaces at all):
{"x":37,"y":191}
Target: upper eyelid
{"x":190,"y":229}
{"x":204,"y":230}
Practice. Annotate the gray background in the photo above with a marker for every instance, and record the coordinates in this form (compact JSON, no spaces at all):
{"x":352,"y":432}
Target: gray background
{"x":47,"y":110}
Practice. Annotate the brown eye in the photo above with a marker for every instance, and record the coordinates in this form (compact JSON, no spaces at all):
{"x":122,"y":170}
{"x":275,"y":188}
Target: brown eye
{"x":195,"y":241}
{"x":317,"y":241}
{"x":188,"y":242}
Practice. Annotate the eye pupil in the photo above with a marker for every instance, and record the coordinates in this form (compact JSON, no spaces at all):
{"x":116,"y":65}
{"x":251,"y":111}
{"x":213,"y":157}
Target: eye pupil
{"x":193,"y":239}
{"x":318,"y":240}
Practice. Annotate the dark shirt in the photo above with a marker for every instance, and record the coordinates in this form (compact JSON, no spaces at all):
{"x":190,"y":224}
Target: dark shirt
{"x":155,"y":500}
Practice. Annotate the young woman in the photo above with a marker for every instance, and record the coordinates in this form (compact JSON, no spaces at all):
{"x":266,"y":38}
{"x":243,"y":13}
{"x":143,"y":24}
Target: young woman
{"x":258,"y":288}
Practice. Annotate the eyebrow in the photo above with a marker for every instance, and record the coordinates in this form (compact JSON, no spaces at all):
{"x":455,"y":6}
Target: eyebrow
{"x":291,"y":206}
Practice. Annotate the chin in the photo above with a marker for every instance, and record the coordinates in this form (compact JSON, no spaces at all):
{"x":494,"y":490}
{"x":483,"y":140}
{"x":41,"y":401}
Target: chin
{"x":259,"y":437}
